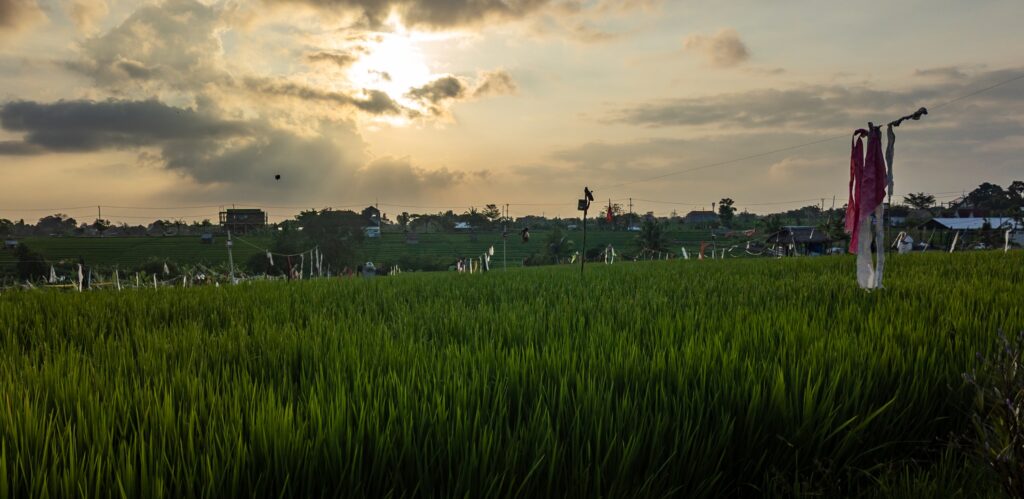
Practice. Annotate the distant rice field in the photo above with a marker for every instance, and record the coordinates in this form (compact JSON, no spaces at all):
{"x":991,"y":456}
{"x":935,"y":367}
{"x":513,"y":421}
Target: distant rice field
{"x":657,"y":379}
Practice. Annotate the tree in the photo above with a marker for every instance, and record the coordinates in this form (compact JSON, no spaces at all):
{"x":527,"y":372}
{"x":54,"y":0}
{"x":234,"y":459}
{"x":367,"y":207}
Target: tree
{"x":6,"y":227}
{"x":771,"y":223}
{"x":30,"y":265}
{"x":404,"y":219}
{"x":101,"y":225}
{"x":56,"y":224}
{"x":492,"y":213}
{"x":726,"y":211}
{"x":920,"y":200}
{"x":990,"y":197}
{"x":557,"y":246}
{"x":336,"y":233}
{"x":652,"y":235}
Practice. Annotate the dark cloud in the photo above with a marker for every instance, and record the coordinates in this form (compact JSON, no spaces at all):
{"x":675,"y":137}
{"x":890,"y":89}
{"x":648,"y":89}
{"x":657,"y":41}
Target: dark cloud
{"x":95,"y":125}
{"x":438,"y":94}
{"x":447,"y":87}
{"x":812,"y":107}
{"x":373,"y":102}
{"x":340,"y":59}
{"x":495,"y":83}
{"x":723,"y":49}
{"x":19,"y":148}
{"x":221,"y":157}
{"x":16,"y":15}
{"x":431,"y":13}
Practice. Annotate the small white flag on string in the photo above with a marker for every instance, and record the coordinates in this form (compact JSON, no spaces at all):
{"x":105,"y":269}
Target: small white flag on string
{"x":167,"y":271}
{"x":53,"y":275}
{"x":271,"y":258}
{"x":117,"y":279}
{"x":1006,"y":246}
{"x":955,"y":239}
{"x":686,"y":256}
{"x":80,"y":277}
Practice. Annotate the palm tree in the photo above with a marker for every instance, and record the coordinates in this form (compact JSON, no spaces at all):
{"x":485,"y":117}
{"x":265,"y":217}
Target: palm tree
{"x":652,"y":236}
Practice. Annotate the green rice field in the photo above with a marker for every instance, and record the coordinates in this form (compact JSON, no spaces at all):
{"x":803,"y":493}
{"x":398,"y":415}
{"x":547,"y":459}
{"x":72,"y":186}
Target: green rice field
{"x":724,"y":378}
{"x":390,"y":249}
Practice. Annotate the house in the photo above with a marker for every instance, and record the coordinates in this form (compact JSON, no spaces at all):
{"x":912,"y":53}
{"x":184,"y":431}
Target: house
{"x":975,"y":226}
{"x":241,"y":221}
{"x":463,"y":226}
{"x":10,"y":244}
{"x":973,"y":223}
{"x":701,"y":218}
{"x":372,"y":231}
{"x":206,"y":238}
{"x":801,"y":240}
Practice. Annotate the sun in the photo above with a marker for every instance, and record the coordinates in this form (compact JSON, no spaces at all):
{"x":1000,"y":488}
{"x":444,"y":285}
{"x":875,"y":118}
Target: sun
{"x":393,"y":65}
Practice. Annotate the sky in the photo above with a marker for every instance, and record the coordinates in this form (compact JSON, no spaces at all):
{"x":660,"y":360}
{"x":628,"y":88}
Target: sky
{"x":176,"y":108}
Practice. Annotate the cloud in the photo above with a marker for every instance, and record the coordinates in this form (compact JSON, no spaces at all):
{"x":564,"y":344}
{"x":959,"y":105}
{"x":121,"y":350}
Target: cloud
{"x":813,"y":107}
{"x":339,"y":59}
{"x":723,"y":49}
{"x":437,"y":14}
{"x":373,"y":102}
{"x":219,"y":158}
{"x":438,"y":94}
{"x":68,"y":126}
{"x":19,"y":15}
{"x":943,"y":73}
{"x":400,"y":178}
{"x":86,"y":13}
{"x":497,"y":82}
{"x":172,"y":45}
{"x":446,"y":87}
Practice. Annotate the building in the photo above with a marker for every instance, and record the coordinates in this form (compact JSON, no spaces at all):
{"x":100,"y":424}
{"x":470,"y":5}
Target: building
{"x":973,"y":223}
{"x":700,"y":218}
{"x":973,"y":232}
{"x":801,"y":240}
{"x":243,"y":220}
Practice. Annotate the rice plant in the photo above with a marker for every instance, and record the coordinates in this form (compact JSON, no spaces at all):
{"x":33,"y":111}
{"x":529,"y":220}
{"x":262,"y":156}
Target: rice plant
{"x":655,"y":379}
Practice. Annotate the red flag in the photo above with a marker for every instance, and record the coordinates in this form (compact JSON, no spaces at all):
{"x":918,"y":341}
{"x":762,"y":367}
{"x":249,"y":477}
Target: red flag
{"x":609,"y":216}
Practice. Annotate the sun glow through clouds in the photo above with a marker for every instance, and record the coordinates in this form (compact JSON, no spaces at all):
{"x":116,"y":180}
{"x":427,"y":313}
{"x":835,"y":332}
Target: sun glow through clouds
{"x":395,"y":65}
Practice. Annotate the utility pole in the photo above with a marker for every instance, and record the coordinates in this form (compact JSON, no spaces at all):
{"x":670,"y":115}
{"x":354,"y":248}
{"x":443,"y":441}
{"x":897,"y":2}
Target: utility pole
{"x":584,"y":206}
{"x":630,"y":217}
{"x":231,"y":259}
{"x":505,"y":237}
{"x":99,"y":212}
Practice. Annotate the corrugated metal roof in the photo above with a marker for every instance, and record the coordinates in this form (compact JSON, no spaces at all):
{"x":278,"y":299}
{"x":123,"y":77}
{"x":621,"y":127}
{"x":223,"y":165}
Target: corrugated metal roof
{"x":976,"y":223}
